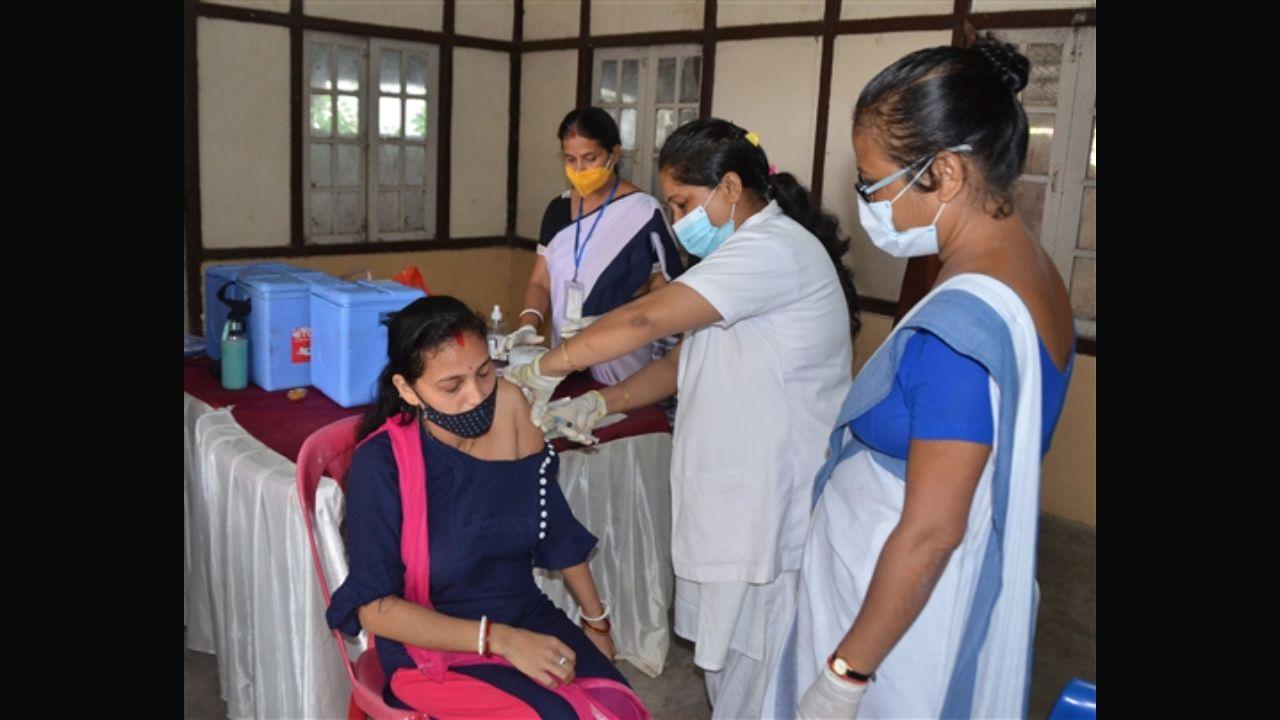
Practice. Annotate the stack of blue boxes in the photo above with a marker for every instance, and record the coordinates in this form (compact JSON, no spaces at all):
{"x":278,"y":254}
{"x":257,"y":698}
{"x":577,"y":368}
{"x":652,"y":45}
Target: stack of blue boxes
{"x":307,"y":327}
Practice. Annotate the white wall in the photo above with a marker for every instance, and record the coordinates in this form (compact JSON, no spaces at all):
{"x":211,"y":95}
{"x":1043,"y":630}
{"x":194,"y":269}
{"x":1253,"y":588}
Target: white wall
{"x":548,"y":88}
{"x":551,"y":19}
{"x":857,"y":59}
{"x":863,"y":9}
{"x":485,"y":18}
{"x":770,"y":87}
{"x":419,"y":14}
{"x":755,"y":12}
{"x":481,"y":101}
{"x":613,"y":17}
{"x":243,"y":77}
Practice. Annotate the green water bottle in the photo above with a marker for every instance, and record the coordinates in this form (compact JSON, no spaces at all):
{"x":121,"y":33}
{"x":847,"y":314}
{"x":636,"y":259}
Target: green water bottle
{"x":235,"y":356}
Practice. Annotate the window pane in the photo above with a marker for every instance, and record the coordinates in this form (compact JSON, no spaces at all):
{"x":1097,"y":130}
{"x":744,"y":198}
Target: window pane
{"x":688,"y":114}
{"x":320,"y":166}
{"x":415,"y":215}
{"x":691,"y":79}
{"x":626,"y":166}
{"x":1084,"y":288}
{"x":321,"y":72}
{"x":662,"y":127}
{"x":1088,"y":221}
{"x":630,"y":80}
{"x":1039,"y":144}
{"x":609,"y":81}
{"x":628,"y":127}
{"x":348,"y":212}
{"x":348,"y":69}
{"x":1093,"y":152}
{"x":388,"y":217}
{"x":348,"y":115}
{"x":415,"y":125}
{"x":321,"y":115}
{"x":1044,"y":54}
{"x":667,"y":80}
{"x":1042,"y":85}
{"x":613,"y":113}
{"x":417,"y":72}
{"x":390,"y":77}
{"x":321,"y":213}
{"x":389,"y":116}
{"x":1041,"y":92}
{"x":415,"y":165}
{"x":349,"y":166}
{"x":389,"y":165}
{"x":1028,"y":198}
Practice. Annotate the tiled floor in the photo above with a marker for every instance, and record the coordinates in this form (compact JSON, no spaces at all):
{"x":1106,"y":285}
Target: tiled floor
{"x":1064,"y":645}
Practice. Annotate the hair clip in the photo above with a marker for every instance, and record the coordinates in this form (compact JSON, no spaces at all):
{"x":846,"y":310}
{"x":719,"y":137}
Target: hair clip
{"x":773,"y":170}
{"x":753,"y":138}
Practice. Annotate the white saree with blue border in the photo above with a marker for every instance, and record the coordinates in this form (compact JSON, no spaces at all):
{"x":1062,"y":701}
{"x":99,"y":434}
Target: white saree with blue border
{"x":968,"y":654}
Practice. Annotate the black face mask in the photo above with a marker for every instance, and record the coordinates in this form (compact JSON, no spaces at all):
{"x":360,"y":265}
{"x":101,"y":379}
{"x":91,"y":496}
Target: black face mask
{"x":469,"y":424}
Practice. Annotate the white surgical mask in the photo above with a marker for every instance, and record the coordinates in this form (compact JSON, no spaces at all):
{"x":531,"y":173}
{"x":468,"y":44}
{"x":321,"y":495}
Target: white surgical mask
{"x":877,"y":218}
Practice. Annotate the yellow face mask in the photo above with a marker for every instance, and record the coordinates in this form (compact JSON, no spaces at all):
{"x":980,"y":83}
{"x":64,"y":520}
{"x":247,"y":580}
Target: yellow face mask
{"x":589,"y":180}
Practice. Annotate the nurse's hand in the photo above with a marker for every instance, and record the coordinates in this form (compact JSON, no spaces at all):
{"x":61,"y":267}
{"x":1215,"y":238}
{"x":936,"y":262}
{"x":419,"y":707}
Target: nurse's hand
{"x":576,"y":418}
{"x":573,"y":327}
{"x":537,"y":387}
{"x":831,"y":696}
{"x":526,"y":335}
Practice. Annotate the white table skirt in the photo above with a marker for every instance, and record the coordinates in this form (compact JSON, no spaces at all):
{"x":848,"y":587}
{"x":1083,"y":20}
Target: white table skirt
{"x":251,"y":598}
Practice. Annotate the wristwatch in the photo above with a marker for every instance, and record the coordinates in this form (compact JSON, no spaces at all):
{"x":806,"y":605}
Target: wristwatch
{"x":841,"y":668}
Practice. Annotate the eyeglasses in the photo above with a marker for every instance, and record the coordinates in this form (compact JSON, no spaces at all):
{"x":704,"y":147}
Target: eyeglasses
{"x":867,"y":190}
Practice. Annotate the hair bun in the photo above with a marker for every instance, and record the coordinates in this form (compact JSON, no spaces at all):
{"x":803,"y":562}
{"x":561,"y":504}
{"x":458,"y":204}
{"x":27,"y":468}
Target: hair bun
{"x":1011,"y":66}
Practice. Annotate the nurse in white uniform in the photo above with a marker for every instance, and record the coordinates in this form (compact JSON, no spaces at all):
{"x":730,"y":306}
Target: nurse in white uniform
{"x":768,"y":317}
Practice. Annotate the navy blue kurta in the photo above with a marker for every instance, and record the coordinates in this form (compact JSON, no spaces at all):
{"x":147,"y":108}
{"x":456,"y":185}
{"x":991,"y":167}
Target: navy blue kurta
{"x":484,"y":521}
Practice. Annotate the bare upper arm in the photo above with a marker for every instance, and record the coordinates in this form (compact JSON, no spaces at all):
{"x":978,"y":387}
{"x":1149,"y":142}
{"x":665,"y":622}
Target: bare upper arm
{"x":529,"y":438}
{"x":540,"y":276}
{"x":672,"y":309}
{"x":942,"y":476}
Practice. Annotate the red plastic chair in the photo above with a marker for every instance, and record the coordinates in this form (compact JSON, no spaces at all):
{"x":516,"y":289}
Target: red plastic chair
{"x":328,"y":451}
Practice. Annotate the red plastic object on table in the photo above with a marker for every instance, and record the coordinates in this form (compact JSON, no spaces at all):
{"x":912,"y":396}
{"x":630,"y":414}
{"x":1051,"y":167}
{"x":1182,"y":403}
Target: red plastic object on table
{"x":328,"y":451}
{"x":412,"y":277}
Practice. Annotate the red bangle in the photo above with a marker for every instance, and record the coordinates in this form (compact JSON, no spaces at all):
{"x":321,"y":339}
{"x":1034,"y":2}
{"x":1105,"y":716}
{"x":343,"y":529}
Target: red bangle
{"x":608,"y":626}
{"x":488,"y":628}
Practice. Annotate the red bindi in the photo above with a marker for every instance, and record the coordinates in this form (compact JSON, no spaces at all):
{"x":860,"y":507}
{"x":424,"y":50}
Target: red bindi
{"x":460,"y":338}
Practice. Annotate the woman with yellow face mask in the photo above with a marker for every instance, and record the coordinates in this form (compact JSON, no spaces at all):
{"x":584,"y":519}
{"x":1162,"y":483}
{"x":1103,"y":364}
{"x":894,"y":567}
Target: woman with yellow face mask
{"x":602,"y":243}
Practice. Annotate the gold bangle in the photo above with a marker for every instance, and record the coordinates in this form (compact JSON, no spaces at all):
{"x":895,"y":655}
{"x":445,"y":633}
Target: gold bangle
{"x":564,"y":349}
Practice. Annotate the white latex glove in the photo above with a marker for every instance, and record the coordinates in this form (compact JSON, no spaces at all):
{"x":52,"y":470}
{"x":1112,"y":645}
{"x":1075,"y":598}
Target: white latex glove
{"x":830,"y":697}
{"x":526,"y":335}
{"x":576,"y":418}
{"x":573,"y":327}
{"x":537,"y":387}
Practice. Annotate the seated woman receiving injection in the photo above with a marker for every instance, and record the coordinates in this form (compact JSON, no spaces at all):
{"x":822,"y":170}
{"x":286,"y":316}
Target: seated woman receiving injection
{"x":451,"y":500}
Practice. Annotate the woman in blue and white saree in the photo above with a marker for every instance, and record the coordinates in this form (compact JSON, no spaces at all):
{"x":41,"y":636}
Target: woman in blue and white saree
{"x":602,"y":243}
{"x":917,"y":593}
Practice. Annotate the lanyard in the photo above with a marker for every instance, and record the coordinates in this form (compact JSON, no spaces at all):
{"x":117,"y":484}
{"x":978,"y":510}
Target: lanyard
{"x":577,"y":227}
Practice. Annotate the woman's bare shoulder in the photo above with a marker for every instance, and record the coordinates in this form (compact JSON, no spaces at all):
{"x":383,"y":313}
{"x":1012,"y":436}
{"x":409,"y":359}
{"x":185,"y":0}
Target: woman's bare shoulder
{"x":516,"y":413}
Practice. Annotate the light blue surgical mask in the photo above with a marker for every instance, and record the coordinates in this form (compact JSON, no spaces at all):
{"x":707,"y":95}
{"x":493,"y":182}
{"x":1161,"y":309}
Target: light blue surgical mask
{"x":877,"y":217}
{"x":698,"y":235}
